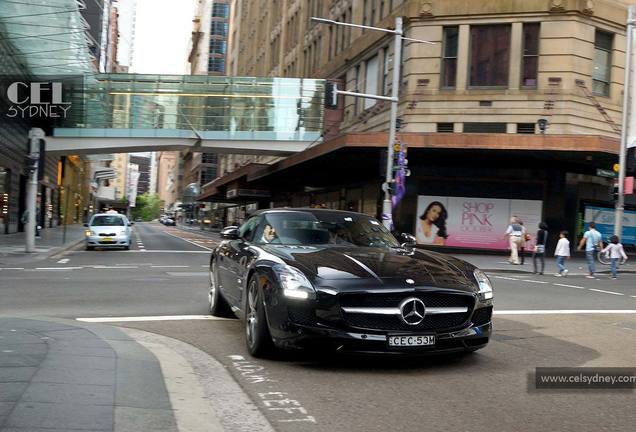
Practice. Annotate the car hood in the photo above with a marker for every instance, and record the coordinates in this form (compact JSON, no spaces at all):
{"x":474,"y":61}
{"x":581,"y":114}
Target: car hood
{"x":341,"y":263}
{"x":111,"y":229}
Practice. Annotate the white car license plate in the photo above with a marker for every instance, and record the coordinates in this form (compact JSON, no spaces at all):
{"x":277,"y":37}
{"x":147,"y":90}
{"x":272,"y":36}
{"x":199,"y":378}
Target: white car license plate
{"x":411,"y":341}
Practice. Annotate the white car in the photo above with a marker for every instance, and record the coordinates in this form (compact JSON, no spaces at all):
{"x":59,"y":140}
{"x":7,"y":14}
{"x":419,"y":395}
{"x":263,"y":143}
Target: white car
{"x":108,"y":230}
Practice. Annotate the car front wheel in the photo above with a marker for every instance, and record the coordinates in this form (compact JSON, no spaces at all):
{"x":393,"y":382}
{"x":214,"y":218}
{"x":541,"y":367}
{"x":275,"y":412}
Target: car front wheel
{"x":257,"y":335}
{"x":217,"y":305}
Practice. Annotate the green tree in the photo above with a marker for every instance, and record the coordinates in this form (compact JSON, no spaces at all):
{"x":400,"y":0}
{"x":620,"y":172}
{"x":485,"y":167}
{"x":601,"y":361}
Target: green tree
{"x":147,"y":207}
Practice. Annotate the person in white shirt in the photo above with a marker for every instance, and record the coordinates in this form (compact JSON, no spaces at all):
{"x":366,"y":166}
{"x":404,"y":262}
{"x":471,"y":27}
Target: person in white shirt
{"x":514,"y":232}
{"x":615,"y":251}
{"x":562,"y":253}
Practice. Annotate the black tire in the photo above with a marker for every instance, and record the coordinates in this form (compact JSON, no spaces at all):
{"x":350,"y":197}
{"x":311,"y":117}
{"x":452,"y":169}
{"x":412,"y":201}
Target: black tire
{"x":217,"y":305}
{"x":257,"y":336}
{"x":90,"y":248}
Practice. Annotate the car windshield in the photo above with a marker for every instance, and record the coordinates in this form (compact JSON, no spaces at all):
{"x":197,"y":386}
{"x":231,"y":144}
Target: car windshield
{"x":322,"y":228}
{"x":107,"y":221}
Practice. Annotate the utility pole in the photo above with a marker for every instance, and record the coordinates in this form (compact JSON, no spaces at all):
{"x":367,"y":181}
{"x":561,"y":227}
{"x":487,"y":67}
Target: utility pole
{"x":627,"y":90}
{"x":35,"y":135}
{"x":387,"y":218}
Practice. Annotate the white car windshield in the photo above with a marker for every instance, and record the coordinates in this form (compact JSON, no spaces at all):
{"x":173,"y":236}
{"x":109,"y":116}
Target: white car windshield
{"x":107,"y":220}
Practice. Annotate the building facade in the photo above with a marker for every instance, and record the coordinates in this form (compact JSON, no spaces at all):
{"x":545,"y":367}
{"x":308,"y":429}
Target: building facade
{"x":470,"y":104}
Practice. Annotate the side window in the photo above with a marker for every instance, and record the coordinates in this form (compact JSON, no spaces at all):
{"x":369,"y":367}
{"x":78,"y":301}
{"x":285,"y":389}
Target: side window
{"x":246,"y":231}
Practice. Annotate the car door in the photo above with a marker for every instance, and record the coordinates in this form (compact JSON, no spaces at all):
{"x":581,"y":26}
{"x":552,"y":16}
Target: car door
{"x":230,"y":262}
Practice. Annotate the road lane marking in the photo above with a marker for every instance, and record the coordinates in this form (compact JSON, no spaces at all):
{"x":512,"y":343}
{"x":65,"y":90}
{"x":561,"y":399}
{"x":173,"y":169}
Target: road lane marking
{"x":568,"y":286}
{"x":58,"y":268}
{"x":113,"y":267}
{"x":152,"y":318}
{"x":169,"y":266}
{"x":507,"y":278}
{"x":605,"y":292}
{"x":12,"y":268}
{"x":191,"y":242}
{"x":565,"y":312}
{"x":63,"y":261}
{"x":534,"y":281}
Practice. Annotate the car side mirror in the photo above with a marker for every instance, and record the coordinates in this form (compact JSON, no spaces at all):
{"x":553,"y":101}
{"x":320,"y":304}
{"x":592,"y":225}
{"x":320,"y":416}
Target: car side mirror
{"x":230,"y":233}
{"x":86,"y":225}
{"x":131,"y":223}
{"x":407,"y":241}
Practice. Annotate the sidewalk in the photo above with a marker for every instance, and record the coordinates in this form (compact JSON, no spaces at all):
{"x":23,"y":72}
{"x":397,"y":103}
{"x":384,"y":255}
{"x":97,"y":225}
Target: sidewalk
{"x":576,"y":265}
{"x":50,"y":242}
{"x":58,"y":375}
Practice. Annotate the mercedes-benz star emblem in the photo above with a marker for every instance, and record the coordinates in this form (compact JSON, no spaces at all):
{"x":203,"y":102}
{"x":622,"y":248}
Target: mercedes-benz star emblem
{"x":412,"y":311}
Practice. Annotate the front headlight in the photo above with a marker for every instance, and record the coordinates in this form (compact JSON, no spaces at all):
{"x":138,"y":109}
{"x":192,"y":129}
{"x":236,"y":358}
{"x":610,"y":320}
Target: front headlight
{"x":294,"y":283}
{"x":485,"y":287}
{"x":89,"y":233}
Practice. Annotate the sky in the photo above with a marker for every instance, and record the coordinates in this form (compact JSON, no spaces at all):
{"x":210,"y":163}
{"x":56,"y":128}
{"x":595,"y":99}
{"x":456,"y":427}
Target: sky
{"x":162,"y":32}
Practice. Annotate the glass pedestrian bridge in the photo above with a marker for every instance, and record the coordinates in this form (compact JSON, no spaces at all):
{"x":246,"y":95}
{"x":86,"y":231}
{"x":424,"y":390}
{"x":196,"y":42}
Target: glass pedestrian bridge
{"x":134,"y":112}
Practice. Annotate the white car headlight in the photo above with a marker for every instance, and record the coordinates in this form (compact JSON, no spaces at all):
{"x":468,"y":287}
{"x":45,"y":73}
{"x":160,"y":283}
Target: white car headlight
{"x":485,"y":287}
{"x":294,"y":283}
{"x":89,"y":233}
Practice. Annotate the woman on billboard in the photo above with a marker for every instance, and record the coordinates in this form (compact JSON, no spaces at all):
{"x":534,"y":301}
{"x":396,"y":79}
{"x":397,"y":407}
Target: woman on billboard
{"x":432,"y":227}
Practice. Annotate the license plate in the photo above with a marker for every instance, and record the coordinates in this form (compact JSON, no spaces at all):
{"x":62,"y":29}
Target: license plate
{"x":107,"y":239}
{"x":411,"y":341}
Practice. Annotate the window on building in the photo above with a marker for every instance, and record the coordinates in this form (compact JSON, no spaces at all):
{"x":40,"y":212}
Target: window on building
{"x":217,"y":46}
{"x":602,"y":63}
{"x":373,"y":5}
{"x":525,"y":128}
{"x":218,"y":28}
{"x":331,"y":43}
{"x":371,"y":80}
{"x":489,"y":55}
{"x":445,"y":127}
{"x":364,"y":13}
{"x":220,"y":10}
{"x":530,"y":55}
{"x":209,"y":158}
{"x":381,"y":10}
{"x":343,"y":33}
{"x":216,"y":64}
{"x":348,"y":17}
{"x":485,"y":127}
{"x":357,"y":88}
{"x":385,"y":71}
{"x":449,"y":62}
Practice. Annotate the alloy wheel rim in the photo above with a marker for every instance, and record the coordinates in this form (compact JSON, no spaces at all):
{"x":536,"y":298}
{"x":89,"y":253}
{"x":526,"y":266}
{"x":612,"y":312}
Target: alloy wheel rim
{"x":252,"y":319}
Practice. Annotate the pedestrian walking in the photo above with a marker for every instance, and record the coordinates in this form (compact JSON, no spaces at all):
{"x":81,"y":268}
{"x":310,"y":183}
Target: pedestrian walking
{"x":593,"y":242}
{"x":562,"y":252}
{"x":539,"y":248}
{"x":615,"y":251}
{"x":514,"y":234}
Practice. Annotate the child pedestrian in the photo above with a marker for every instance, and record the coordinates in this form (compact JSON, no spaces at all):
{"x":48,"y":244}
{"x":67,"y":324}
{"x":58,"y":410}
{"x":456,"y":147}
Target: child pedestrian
{"x":562,"y":253}
{"x":615,"y":251}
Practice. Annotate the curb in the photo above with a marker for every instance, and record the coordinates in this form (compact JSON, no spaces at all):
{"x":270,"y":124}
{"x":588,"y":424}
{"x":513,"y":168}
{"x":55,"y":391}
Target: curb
{"x":65,"y":248}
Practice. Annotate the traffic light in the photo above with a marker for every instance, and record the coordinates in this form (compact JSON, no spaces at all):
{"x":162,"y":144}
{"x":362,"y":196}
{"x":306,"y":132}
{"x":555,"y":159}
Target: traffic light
{"x":615,"y":192}
{"x":630,"y":166}
{"x":331,"y":95}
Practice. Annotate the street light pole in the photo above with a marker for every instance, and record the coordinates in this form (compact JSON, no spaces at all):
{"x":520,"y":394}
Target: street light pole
{"x":35,"y":135}
{"x":387,"y":218}
{"x":387,"y":210}
{"x":620,"y":202}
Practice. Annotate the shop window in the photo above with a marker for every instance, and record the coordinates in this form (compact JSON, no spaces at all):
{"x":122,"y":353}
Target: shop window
{"x":602,"y":63}
{"x":530,"y":60}
{"x":489,"y":55}
{"x":449,"y":61}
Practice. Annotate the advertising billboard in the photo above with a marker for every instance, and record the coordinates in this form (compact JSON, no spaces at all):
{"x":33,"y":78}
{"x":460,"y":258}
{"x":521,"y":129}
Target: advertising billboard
{"x":476,"y":223}
{"x":604,"y":220}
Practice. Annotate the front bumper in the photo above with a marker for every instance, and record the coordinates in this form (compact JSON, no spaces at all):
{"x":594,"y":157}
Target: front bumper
{"x":320,"y":337}
{"x":105,"y":242}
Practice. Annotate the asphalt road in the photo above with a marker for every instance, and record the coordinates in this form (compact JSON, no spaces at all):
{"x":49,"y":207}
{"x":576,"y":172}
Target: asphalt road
{"x":491,"y":390}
